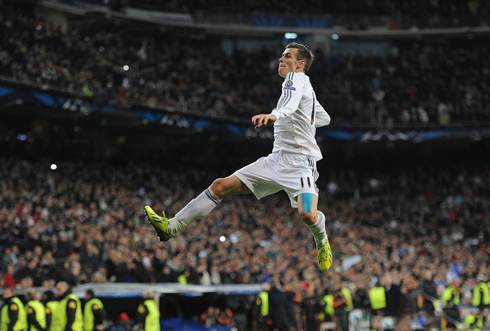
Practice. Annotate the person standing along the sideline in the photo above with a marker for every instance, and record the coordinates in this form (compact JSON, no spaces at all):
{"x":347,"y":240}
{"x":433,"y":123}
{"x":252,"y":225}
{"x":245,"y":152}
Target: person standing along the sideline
{"x":148,"y":313}
{"x":50,"y":304}
{"x":93,"y":312}
{"x":36,"y":312}
{"x":12,"y":314}
{"x":290,"y":167}
{"x":68,"y":315}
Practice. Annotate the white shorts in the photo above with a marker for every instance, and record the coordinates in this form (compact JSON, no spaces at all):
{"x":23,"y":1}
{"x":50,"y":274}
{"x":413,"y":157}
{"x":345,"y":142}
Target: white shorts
{"x":295,"y":174}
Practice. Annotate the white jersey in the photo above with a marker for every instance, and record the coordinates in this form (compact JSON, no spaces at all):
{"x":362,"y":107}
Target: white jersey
{"x":298,"y":114}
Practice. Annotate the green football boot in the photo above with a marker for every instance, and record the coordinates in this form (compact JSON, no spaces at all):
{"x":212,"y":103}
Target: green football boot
{"x":159,"y":223}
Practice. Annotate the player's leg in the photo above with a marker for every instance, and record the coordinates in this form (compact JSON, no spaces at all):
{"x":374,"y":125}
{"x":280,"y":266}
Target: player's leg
{"x":315,"y":220}
{"x":199,"y":207}
{"x":232,"y":185}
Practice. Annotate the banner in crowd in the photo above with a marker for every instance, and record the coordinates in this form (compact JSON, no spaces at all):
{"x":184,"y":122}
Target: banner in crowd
{"x":51,"y":99}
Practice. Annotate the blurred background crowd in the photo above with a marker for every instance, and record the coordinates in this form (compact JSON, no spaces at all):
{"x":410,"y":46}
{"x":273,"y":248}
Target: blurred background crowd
{"x":412,"y":221}
{"x":83,"y":223}
{"x":417,"y":84}
{"x":413,"y":13}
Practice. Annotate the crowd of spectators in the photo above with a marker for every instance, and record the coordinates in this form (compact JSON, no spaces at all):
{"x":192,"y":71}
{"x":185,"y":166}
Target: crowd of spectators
{"x":404,"y":14}
{"x":416,"y":84}
{"x":84,"y":223}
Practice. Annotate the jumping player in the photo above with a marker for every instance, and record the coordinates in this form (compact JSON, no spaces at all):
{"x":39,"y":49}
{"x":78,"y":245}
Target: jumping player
{"x":290,"y":167}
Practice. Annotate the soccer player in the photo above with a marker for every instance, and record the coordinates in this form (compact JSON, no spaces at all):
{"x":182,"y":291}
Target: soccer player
{"x":290,"y":167}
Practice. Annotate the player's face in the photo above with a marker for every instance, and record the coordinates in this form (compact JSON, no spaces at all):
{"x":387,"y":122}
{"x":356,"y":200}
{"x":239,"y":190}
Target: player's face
{"x":288,"y":61}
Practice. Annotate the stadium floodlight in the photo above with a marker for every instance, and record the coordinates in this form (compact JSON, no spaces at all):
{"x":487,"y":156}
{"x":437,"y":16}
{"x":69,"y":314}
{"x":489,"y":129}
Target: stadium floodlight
{"x":54,"y":166}
{"x":335,"y":36}
{"x":290,"y":35}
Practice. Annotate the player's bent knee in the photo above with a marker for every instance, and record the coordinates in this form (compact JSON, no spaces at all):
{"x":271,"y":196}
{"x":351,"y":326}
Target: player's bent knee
{"x":224,"y":187}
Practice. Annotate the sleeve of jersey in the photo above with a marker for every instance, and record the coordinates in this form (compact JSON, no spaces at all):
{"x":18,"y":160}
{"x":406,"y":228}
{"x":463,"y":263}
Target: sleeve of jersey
{"x":13,"y":313}
{"x":321,"y":116}
{"x":292,"y":91}
{"x":71,"y":311}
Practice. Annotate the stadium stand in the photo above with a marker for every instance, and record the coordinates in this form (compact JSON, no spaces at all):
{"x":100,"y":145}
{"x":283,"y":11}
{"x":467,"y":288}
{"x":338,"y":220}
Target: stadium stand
{"x":406,"y":14}
{"x":82,"y":223}
{"x":72,"y":192}
{"x":355,"y":89}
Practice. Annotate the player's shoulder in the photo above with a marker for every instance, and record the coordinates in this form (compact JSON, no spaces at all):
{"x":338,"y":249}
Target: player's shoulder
{"x":294,"y":81}
{"x":296,"y":77}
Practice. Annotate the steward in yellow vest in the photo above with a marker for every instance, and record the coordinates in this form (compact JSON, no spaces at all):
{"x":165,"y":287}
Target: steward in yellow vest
{"x":50,"y":305}
{"x":451,"y":294}
{"x":327,"y":301}
{"x":481,"y":296}
{"x":68,"y":314}
{"x":13,"y":317}
{"x":342,"y":303}
{"x":93,"y":313}
{"x":377,"y":297}
{"x":262,"y":304}
{"x":148,"y":313}
{"x":475,"y":321}
{"x":36,"y":314}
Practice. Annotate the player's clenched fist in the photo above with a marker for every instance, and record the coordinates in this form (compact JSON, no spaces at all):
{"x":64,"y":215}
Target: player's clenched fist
{"x":263,"y":120}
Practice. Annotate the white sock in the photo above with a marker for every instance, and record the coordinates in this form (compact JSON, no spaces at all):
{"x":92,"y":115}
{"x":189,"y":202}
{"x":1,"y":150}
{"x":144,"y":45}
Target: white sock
{"x":194,"y":210}
{"x":318,"y":230}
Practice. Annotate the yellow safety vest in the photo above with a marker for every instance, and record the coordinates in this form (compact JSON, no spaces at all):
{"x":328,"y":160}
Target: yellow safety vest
{"x":182,"y":279}
{"x":451,"y":293}
{"x":470,"y":320}
{"x":377,"y":297}
{"x":348,"y":297}
{"x":51,"y":307}
{"x":88,"y":314}
{"x":328,"y":299}
{"x":60,"y":319}
{"x":21,"y":324}
{"x":152,"y":321}
{"x":481,"y":295}
{"x":40,"y":311}
{"x":263,"y":301}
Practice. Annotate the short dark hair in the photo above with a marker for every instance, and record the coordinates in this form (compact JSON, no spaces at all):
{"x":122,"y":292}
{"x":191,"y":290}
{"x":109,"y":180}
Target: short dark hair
{"x":48,"y":296}
{"x":304,"y":53}
{"x":91,"y":293}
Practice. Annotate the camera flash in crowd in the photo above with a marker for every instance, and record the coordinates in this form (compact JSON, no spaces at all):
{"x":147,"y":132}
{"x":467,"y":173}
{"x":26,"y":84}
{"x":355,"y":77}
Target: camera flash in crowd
{"x":222,"y":239}
{"x":125,"y":67}
{"x":54,"y":166}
